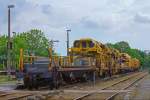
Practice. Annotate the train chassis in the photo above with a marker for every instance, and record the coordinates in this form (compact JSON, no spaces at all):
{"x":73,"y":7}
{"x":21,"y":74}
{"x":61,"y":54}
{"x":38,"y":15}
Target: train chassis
{"x":58,"y":77}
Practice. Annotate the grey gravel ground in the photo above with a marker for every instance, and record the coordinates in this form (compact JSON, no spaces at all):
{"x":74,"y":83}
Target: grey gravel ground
{"x":142,"y":90}
{"x":7,"y":86}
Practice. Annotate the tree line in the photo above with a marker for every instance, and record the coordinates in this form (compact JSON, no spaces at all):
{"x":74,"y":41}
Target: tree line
{"x":35,"y":42}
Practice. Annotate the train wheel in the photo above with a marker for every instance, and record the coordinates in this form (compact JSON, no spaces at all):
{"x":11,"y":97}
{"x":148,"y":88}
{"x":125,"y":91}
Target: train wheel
{"x":103,"y":74}
{"x":72,"y":77}
{"x":26,"y":82}
{"x":36,"y":82}
{"x":36,"y":85}
{"x":57,"y":80}
{"x":56,"y":84}
{"x":51,"y":86}
{"x":30,"y":84}
{"x":110,"y":73}
{"x":90,"y":76}
{"x":85,"y":78}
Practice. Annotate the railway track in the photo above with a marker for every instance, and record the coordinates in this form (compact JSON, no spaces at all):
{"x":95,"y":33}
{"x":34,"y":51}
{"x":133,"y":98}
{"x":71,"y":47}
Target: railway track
{"x":82,"y":91}
{"x":123,"y":84}
{"x":128,"y":86}
{"x":13,"y":95}
{"x":109,"y":91}
{"x":23,"y":95}
{"x":98,"y":80}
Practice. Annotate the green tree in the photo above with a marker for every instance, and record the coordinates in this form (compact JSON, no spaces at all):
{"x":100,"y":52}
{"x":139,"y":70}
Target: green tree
{"x":134,"y":53}
{"x":3,"y":50}
{"x":33,"y":41}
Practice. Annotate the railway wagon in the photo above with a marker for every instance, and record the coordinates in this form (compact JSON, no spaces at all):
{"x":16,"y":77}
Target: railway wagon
{"x":135,"y":63}
{"x":107,"y":61}
{"x":35,"y":70}
{"x":126,"y":62}
{"x":116,"y":62}
{"x":38,"y":71}
{"x":86,"y":59}
{"x":51,"y":71}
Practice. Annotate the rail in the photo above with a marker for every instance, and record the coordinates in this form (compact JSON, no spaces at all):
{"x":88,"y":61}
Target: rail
{"x":131,"y":84}
{"x":96,"y":91}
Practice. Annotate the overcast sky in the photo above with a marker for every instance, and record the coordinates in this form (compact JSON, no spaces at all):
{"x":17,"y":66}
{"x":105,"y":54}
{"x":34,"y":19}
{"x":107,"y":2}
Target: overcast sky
{"x":103,"y":20}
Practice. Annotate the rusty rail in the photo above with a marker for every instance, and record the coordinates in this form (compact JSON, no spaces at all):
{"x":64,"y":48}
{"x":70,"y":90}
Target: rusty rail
{"x":19,"y":97}
{"x":131,"y":84}
{"x":93,"y":92}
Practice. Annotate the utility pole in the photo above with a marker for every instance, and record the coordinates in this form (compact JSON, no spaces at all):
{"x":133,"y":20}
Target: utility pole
{"x":68,"y":30}
{"x":52,"y":43}
{"x":54,"y":65}
{"x":14,"y":51}
{"x":9,"y":42}
{"x":52,"y":46}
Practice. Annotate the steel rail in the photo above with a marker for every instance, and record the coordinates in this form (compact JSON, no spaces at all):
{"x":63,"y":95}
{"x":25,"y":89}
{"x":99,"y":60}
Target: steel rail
{"x":5,"y":94}
{"x":90,"y":93}
{"x":131,"y":84}
{"x":19,"y":97}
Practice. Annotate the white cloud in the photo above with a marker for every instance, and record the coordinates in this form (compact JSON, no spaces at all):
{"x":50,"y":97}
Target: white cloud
{"x":105,"y":20}
{"x":141,"y":18}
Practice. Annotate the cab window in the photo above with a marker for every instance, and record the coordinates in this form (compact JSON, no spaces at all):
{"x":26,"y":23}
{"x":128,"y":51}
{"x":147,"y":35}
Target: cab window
{"x":77,"y":44}
{"x":91,"y":44}
{"x":84,"y":44}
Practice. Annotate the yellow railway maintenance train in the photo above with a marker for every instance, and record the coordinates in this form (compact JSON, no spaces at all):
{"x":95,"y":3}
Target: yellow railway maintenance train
{"x":87,"y":58}
{"x":107,"y":61}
